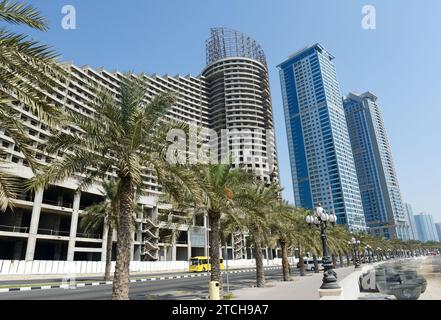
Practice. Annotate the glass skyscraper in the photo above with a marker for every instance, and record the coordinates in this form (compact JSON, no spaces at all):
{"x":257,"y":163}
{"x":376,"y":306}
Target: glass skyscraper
{"x":426,"y":227}
{"x":438,"y":230}
{"x":322,"y":164}
{"x":379,"y":188}
{"x":413,"y":233}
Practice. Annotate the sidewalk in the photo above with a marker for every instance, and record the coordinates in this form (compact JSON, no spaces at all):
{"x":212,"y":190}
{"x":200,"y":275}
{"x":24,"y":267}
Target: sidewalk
{"x":301,"y":288}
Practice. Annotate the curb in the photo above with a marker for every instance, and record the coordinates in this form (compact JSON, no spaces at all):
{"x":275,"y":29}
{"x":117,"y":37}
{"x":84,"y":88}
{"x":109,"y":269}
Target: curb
{"x":101,"y":283}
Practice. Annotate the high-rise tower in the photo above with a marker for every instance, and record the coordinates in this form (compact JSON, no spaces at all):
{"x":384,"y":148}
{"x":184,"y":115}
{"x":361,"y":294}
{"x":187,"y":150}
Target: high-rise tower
{"x":322,"y":164}
{"x":379,"y":188}
{"x":239,"y":100}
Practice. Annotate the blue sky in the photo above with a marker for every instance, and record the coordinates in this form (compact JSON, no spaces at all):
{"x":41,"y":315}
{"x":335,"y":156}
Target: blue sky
{"x":399,"y":61}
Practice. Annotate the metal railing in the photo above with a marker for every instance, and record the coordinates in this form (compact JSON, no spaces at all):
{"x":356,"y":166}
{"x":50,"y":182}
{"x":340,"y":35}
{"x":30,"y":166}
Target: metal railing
{"x":14,"y":229}
{"x":51,"y":232}
{"x":89,"y":235}
{"x":57,"y":203}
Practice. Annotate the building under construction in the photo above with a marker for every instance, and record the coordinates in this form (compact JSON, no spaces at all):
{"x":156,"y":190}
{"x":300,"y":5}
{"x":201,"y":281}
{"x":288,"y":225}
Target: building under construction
{"x":231,"y":93}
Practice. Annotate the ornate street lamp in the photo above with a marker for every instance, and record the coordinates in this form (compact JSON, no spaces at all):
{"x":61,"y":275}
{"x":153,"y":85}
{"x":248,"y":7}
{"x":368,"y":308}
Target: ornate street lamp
{"x":355,"y":243}
{"x":321,"y":220}
{"x":379,"y":254}
{"x":368,"y":249}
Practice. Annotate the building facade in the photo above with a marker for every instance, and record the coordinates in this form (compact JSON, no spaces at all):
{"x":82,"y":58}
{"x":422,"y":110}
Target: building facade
{"x":377,"y":179}
{"x":413,"y":232}
{"x":426,"y":227}
{"x":231,"y":93}
{"x":322,"y":164}
{"x":438,"y":230}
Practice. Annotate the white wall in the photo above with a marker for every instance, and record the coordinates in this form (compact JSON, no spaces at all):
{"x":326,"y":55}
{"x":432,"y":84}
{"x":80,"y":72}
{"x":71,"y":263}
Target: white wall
{"x":16,"y":267}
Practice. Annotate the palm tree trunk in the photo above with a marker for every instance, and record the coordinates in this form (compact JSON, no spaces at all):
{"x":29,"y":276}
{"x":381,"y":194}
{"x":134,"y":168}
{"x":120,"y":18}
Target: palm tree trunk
{"x":342,"y":262}
{"x":285,"y":263}
{"x":348,"y":259}
{"x":214,"y":218}
{"x":109,"y":252}
{"x":124,"y":241}
{"x":260,"y":276}
{"x":316,"y":265}
{"x":301,"y":262}
{"x":334,"y":261}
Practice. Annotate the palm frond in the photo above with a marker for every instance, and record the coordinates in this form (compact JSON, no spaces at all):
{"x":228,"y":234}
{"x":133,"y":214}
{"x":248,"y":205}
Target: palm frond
{"x":20,"y":13}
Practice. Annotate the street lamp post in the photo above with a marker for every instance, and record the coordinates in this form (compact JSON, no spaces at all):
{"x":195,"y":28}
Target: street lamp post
{"x":368,"y":249}
{"x":321,"y":220}
{"x":379,"y":254}
{"x":355,"y":243}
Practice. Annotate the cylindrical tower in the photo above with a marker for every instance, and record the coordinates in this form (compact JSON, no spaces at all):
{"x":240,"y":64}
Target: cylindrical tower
{"x":240,"y":101}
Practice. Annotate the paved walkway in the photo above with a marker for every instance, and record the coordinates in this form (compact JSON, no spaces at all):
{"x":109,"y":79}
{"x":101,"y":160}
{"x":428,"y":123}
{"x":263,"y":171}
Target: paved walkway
{"x":301,"y":288}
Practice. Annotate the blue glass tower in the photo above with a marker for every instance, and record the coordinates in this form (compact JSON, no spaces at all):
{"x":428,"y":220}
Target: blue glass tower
{"x":322,"y":164}
{"x":379,"y":188}
{"x":426,"y":227}
{"x":413,"y":233}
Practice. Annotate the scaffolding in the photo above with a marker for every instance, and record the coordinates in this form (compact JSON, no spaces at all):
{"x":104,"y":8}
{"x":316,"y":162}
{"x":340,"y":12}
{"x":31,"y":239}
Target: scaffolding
{"x":226,"y":43}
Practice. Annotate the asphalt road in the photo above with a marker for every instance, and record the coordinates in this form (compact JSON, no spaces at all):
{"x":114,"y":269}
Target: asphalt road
{"x":170,"y":289}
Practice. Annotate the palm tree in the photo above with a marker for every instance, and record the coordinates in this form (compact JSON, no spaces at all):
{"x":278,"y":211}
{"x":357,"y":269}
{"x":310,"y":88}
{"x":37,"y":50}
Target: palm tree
{"x":284,"y":224}
{"x":104,"y":214}
{"x":27,"y":68}
{"x":282,"y":229}
{"x":306,"y":238}
{"x":218,"y":183}
{"x":124,"y":138}
{"x":338,"y":242}
{"x":255,"y":201}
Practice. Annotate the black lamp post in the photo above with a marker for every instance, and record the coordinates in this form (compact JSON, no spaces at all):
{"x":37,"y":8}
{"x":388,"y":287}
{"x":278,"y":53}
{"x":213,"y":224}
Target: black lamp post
{"x":321,"y":220}
{"x":355,"y":243}
{"x":379,"y":254}
{"x":368,"y":249}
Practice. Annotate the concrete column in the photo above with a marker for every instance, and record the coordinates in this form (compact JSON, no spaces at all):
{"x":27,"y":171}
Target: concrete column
{"x":165,"y":253}
{"x":73,"y":226}
{"x":104,"y":243}
{"x":188,"y":244}
{"x":206,"y":250}
{"x":173,"y":257}
{"x":33,"y":229}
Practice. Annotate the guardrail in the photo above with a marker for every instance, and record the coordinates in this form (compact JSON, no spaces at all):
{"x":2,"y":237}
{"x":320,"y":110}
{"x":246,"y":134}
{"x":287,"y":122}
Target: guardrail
{"x":14,"y":229}
{"x":57,"y":203}
{"x":89,"y":235}
{"x":52,"y":232}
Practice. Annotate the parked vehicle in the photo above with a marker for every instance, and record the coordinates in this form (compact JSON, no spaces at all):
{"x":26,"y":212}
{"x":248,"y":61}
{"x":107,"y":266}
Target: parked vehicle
{"x":309,"y":264}
{"x":202,"y":264}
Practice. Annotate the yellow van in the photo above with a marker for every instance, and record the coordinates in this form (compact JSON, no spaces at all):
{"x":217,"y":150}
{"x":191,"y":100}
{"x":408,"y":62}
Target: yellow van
{"x":202,"y":264}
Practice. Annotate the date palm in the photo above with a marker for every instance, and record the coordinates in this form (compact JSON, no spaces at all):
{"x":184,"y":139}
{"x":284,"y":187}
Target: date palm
{"x":125,"y":137}
{"x":104,"y":214}
{"x":306,"y":237}
{"x":338,"y":238}
{"x":218,"y":183}
{"x":27,"y":68}
{"x":255,"y":201}
{"x":284,"y":223}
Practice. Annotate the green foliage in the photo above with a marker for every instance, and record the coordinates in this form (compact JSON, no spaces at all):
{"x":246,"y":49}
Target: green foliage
{"x":27,"y":70}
